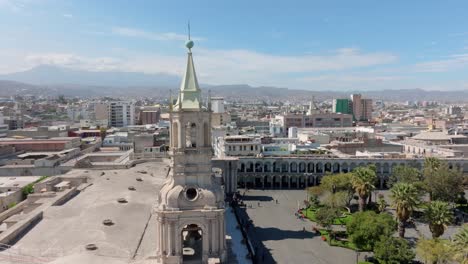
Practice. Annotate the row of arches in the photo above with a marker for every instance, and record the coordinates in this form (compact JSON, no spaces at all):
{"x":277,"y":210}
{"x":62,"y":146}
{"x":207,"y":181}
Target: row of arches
{"x":287,"y":181}
{"x":322,"y":167}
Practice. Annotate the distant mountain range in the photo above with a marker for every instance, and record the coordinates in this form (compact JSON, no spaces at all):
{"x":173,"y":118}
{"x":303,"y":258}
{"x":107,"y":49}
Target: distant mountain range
{"x":52,"y":81}
{"x":47,"y":75}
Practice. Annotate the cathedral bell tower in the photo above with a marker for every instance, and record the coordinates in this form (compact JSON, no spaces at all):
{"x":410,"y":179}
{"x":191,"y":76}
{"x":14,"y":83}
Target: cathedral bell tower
{"x":190,"y":209}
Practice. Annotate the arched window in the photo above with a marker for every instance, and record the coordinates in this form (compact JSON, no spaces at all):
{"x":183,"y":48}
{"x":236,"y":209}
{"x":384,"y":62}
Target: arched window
{"x":191,"y":135}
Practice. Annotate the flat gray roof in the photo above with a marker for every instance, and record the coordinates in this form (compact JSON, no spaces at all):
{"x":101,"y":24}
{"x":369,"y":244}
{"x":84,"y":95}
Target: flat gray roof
{"x":64,"y":231}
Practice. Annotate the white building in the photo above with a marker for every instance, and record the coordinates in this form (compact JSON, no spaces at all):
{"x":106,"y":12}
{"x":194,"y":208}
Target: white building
{"x":237,"y":146}
{"x":217,"y":104}
{"x":3,"y":127}
{"x":121,"y":114}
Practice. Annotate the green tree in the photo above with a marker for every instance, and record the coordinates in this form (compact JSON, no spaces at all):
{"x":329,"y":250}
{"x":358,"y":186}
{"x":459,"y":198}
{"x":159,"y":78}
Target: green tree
{"x":336,"y":200}
{"x":406,"y":174}
{"x":405,"y":197}
{"x":459,"y":245}
{"x":393,"y":250}
{"x":433,"y":250}
{"x":325,"y":216}
{"x":366,"y":228}
{"x":438,"y":214}
{"x":339,"y":183}
{"x":363,"y":181}
{"x":443,"y":183}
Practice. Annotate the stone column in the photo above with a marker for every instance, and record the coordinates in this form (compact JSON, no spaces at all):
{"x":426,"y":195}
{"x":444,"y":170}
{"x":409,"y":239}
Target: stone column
{"x":158,"y":240}
{"x":163,"y":237}
{"x":214,"y":235}
{"x":211,"y":235}
{"x":205,"y":240}
{"x":170,"y":238}
{"x":221,"y":234}
{"x":178,"y":242}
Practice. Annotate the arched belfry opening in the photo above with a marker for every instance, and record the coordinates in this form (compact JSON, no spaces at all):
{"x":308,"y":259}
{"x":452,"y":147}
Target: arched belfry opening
{"x":191,"y":135}
{"x":192,"y":244}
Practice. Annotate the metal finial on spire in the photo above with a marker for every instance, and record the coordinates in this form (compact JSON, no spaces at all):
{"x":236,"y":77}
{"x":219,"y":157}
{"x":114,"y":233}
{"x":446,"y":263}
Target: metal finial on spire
{"x":189,"y":44}
{"x":188,"y":25}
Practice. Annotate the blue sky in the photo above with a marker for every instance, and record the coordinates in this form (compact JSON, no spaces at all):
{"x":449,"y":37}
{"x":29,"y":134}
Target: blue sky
{"x":317,"y":45}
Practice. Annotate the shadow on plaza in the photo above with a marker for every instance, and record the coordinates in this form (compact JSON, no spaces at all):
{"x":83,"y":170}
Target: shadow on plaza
{"x":257,"y":235}
{"x":273,"y":233}
{"x":260,"y":198}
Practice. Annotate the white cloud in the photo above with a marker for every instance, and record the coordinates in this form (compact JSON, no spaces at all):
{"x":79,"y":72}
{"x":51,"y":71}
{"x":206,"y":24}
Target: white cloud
{"x":73,"y":61}
{"x":260,"y":62}
{"x":352,"y":78}
{"x":453,"y":62}
{"x":67,"y":15}
{"x":138,"y":33}
{"x":228,"y":66}
{"x":13,"y":5}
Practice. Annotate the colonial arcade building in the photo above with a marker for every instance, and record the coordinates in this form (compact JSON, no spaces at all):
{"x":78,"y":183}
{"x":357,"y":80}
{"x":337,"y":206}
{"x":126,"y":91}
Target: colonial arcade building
{"x":300,"y":172}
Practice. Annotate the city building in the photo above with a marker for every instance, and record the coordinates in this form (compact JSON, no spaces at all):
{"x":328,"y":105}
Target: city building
{"x":149,"y":117}
{"x":237,"y":146}
{"x":366,"y":114}
{"x":217,"y":104}
{"x":101,"y":111}
{"x":3,"y":127}
{"x":11,"y":190}
{"x":362,"y":108}
{"x":219,"y":117}
{"x":121,"y":113}
{"x":344,"y":106}
{"x":453,"y":110}
{"x":50,"y":144}
{"x":41,"y":132}
{"x":281,"y":123}
{"x":190,"y":209}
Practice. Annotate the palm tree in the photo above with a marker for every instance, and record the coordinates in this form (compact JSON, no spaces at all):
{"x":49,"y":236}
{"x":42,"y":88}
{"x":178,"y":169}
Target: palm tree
{"x":460,"y":245}
{"x":405,"y":197}
{"x":363,"y":181}
{"x":439,"y":215}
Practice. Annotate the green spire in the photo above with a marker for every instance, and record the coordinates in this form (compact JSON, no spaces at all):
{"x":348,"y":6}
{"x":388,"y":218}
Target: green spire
{"x":190,"y":93}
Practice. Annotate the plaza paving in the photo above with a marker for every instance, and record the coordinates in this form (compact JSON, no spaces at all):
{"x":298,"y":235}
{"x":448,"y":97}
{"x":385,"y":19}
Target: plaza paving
{"x":282,"y":233}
